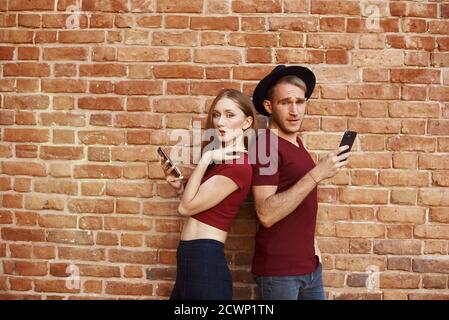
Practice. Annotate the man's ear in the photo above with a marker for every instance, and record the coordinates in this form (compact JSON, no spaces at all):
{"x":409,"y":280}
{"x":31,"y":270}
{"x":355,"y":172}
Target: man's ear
{"x":267,"y":105}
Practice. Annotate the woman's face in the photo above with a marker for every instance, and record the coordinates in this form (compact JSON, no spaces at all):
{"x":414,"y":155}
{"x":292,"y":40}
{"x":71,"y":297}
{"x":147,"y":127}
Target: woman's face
{"x":229,"y":120}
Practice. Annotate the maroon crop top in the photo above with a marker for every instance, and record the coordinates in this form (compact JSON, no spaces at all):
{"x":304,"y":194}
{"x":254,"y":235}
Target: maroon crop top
{"x":222,"y":215}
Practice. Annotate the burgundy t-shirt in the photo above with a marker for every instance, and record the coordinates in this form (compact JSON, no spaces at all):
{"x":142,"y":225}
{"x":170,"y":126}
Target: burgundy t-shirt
{"x":287,"y":247}
{"x":222,"y":215}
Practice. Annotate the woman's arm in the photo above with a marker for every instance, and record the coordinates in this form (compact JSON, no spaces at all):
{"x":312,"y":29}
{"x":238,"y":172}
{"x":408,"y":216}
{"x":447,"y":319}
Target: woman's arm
{"x":198,"y":197}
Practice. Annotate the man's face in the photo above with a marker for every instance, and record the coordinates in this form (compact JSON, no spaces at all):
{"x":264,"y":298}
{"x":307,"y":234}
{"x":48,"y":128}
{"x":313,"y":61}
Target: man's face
{"x":288,"y":107}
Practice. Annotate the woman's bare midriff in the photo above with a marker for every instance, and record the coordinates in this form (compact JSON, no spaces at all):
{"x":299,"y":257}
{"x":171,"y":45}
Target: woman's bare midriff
{"x":194,"y":229}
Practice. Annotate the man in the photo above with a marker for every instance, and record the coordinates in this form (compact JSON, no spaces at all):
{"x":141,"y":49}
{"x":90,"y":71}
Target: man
{"x":286,"y":264}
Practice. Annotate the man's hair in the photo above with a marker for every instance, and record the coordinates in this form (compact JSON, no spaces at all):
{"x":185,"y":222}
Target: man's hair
{"x":292,"y":79}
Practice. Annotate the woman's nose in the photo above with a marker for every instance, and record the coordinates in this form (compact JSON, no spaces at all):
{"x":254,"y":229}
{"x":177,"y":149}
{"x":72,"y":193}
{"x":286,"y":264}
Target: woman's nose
{"x":220,"y":121}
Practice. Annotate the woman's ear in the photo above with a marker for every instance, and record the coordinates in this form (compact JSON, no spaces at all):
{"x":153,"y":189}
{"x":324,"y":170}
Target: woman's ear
{"x":248,"y":123}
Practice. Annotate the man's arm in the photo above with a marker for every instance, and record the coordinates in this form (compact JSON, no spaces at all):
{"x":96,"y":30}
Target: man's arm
{"x":272,"y":207}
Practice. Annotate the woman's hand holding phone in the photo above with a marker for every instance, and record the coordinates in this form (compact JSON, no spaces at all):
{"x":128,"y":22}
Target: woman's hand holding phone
{"x":170,"y":175}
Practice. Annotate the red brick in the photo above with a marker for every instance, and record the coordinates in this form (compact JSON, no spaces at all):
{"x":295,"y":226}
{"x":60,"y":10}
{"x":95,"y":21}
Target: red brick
{"x":53,"y":286}
{"x":101,"y":137}
{"x":135,"y":257}
{"x":29,"y":5}
{"x":413,"y":110}
{"x":253,"y":6}
{"x":372,"y":91}
{"x":90,"y":206}
{"x":26,"y":53}
{"x":399,"y":281}
{"x":404,"y":178}
{"x":26,"y":102}
{"x":137,"y":87}
{"x":434,"y":282}
{"x":105,"y":5}
{"x":129,"y":189}
{"x":26,"y":135}
{"x":429,"y":265}
{"x":359,"y":263}
{"x":217,"y":56}
{"x":63,"y":85}
{"x":70,"y":237}
{"x":91,"y":223}
{"x":126,"y":288}
{"x":56,"y":186}
{"x":24,"y":168}
{"x":81,"y":36}
{"x":108,"y":239}
{"x":432,"y":231}
{"x":102,"y":70}
{"x":438,"y":127}
{"x":138,"y":121}
{"x":75,"y":253}
{"x":335,"y":7}
{"x":309,"y":24}
{"x":6,"y":53}
{"x":398,"y":247}
{"x":154,"y":207}
{"x":63,"y":153}
{"x":179,"y":55}
{"x":16,"y":234}
{"x":360,"y":230}
{"x":399,"y":263}
{"x":405,"y":143}
{"x":27,"y":69}
{"x":178,"y":71}
{"x":101,"y":103}
{"x":194,"y":6}
{"x":63,"y":119}
{"x":214,"y":23}
{"x":415,"y":76}
{"x":16,"y":36}
{"x":127,"y":206}
{"x":363,"y":196}
{"x":253,"y":24}
{"x":413,"y":9}
{"x":439,"y":215}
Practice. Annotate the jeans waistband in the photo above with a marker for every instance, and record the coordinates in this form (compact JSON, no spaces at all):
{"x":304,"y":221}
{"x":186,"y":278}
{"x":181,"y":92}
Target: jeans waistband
{"x":204,"y":249}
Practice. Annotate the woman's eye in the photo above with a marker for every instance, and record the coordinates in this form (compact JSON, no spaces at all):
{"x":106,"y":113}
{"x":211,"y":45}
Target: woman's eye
{"x":229,"y":115}
{"x":215,"y":115}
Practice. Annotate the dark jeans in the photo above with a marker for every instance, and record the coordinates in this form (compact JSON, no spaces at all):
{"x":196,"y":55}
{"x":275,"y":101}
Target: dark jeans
{"x":202,"y":272}
{"x":304,"y":287}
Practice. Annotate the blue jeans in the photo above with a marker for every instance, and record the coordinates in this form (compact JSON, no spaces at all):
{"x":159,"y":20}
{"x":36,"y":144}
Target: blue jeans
{"x":304,"y":287}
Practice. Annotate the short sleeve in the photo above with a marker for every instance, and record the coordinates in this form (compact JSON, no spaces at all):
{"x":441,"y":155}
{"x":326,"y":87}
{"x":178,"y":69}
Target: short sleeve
{"x":265,"y":160}
{"x":241,"y":174}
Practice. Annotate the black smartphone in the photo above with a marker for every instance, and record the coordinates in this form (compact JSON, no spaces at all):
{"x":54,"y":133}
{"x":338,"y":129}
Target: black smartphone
{"x":347,"y":140}
{"x":164,"y":156}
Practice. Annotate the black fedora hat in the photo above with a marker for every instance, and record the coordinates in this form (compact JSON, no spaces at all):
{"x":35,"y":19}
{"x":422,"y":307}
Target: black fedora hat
{"x":261,"y":91}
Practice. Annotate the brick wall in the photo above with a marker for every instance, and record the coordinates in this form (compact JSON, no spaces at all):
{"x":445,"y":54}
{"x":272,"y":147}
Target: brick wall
{"x":86,"y":97}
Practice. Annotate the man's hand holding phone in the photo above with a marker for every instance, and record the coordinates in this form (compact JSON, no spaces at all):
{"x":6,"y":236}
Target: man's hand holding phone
{"x":331,"y":164}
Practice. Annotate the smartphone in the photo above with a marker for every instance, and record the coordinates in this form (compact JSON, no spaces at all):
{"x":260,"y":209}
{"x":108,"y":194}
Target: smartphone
{"x":164,"y":156}
{"x":347,"y":140}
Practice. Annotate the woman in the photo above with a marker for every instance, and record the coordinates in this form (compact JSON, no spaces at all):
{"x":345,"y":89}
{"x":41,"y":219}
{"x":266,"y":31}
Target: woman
{"x":211,"y":200}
